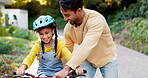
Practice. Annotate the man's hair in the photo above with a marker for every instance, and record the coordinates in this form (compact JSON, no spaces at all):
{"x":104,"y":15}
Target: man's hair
{"x":72,"y":5}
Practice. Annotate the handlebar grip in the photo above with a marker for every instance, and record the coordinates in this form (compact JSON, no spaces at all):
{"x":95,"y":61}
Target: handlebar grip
{"x":84,"y":71}
{"x":74,"y":72}
{"x":14,"y":73}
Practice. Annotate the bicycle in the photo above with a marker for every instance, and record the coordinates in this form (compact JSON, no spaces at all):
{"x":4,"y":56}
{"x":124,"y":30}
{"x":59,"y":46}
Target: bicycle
{"x":72,"y":74}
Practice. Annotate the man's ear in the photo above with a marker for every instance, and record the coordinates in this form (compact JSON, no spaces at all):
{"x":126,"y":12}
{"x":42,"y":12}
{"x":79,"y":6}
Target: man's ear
{"x":79,"y":10}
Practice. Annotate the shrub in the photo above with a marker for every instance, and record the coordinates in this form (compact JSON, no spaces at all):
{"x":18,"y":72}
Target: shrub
{"x":130,"y":13}
{"x":117,"y":26}
{"x":144,"y":9}
{"x":25,"y":34}
{"x":13,"y":45}
{"x":5,"y":47}
{"x":11,"y":29}
{"x":3,"y":31}
{"x":20,"y":33}
{"x":134,"y":10}
{"x":135,"y":35}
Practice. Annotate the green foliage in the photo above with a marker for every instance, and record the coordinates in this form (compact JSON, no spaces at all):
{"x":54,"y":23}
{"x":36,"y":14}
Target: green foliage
{"x":30,"y":22}
{"x":13,"y":45}
{"x":6,"y":67}
{"x":60,"y":22}
{"x":21,"y":33}
{"x":117,"y":27}
{"x":52,"y":11}
{"x":17,"y":4}
{"x":134,"y":10}
{"x":12,"y":60}
{"x":130,"y":13}
{"x":51,"y":8}
{"x":144,"y":1}
{"x":135,"y":35}
{"x":25,"y":34}
{"x":3,"y":31}
{"x":5,"y":47}
{"x":1,"y":14}
{"x":33,"y":8}
{"x":11,"y":29}
{"x":1,"y":20}
{"x":101,"y":5}
{"x":16,"y":32}
{"x":10,"y":63}
{"x":144,"y":9}
{"x":32,"y":36}
{"x":126,"y":3}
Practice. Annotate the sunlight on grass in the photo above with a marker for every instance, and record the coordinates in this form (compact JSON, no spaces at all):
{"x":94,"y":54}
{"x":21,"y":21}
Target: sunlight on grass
{"x":9,"y":38}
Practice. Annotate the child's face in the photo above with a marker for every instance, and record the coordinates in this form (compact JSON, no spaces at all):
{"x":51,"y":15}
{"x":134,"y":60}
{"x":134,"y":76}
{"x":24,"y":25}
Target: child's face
{"x":45,"y":34}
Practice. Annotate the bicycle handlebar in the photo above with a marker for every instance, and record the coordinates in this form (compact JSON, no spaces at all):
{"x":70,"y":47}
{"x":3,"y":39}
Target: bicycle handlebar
{"x":71,"y":74}
{"x":27,"y":74}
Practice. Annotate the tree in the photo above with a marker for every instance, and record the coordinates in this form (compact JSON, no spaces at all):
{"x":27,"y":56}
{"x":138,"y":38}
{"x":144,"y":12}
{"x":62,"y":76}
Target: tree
{"x":51,"y":8}
{"x":33,"y":7}
{"x":101,"y":5}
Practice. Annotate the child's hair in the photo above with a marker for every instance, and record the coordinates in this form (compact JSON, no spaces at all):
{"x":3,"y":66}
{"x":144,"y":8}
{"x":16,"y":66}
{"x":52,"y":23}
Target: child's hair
{"x":46,"y":21}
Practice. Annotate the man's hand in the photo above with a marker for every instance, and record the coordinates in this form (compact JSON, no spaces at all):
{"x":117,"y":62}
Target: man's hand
{"x":63,"y":73}
{"x":79,"y":70}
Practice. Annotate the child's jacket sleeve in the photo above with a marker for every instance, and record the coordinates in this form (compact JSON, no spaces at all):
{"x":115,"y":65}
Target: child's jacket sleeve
{"x":62,"y":51}
{"x":31,"y":56}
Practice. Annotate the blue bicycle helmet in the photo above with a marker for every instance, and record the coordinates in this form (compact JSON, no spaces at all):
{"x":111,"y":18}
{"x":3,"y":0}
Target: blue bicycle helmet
{"x":42,"y":21}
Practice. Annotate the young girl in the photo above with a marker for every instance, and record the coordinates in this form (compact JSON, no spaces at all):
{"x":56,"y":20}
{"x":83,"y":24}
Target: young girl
{"x":48,"y":51}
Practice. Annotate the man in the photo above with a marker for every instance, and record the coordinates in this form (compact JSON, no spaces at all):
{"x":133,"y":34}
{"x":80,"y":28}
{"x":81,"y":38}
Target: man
{"x":90,"y":31}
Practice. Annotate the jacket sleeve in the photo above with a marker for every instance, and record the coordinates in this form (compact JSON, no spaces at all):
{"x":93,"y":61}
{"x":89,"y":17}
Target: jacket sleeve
{"x":68,"y":40}
{"x":63,"y":51}
{"x":31,"y":56}
{"x":90,"y":40}
{"x":66,"y":54}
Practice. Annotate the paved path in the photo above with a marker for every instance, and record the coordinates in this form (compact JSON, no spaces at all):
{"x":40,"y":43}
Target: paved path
{"x":132,"y":64}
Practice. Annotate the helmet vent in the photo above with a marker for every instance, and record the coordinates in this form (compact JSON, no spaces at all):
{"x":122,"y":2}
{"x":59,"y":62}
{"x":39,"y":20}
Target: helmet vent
{"x":36,"y":24}
{"x":46,"y":20}
{"x":40,"y":21}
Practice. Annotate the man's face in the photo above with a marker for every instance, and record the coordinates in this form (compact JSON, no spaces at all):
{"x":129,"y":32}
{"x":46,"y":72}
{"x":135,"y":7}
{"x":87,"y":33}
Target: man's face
{"x":70,"y":16}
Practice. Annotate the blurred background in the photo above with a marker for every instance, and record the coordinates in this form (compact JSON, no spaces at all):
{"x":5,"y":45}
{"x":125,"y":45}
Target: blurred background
{"x":127,"y":19}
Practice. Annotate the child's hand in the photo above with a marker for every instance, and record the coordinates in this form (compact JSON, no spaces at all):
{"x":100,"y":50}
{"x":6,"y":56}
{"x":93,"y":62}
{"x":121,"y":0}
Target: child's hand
{"x":21,"y":70}
{"x":79,"y":71}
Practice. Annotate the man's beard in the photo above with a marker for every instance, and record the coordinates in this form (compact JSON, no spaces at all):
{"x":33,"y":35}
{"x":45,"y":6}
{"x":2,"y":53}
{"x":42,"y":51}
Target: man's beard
{"x":74,"y":23}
